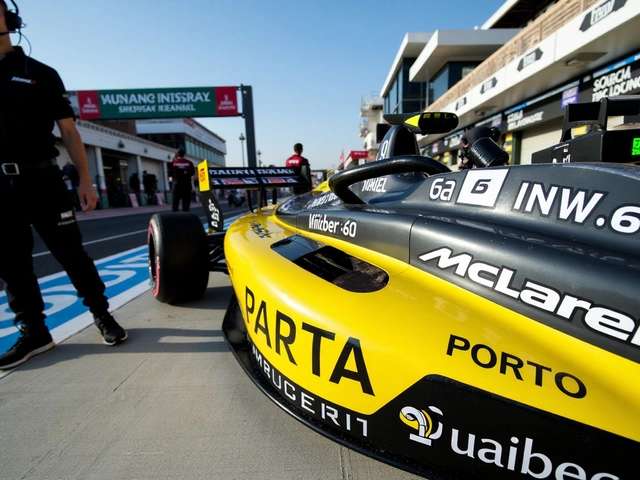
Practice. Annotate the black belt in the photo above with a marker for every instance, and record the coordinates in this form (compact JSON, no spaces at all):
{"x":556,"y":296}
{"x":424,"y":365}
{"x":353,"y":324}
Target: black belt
{"x":12,"y":169}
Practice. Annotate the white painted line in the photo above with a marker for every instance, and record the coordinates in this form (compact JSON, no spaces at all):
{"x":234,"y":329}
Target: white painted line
{"x":82,"y":321}
{"x":97,"y":241}
{"x":73,"y":326}
{"x":103,"y":240}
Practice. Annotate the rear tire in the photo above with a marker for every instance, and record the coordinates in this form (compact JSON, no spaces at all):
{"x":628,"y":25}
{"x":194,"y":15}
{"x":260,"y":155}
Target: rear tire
{"x":178,"y":257}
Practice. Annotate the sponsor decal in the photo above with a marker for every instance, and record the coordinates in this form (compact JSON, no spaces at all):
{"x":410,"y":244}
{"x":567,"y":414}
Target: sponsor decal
{"x":564,"y":306}
{"x":601,"y":12}
{"x":67,"y":218}
{"x":323,"y":199}
{"x":310,"y":404}
{"x":523,"y":456}
{"x":518,"y":120}
{"x":511,"y":365}
{"x":259,"y":230}
{"x":233,"y":181}
{"x":576,"y":206}
{"x":275,"y":171}
{"x":375,"y":185}
{"x":274,"y":180}
{"x":529,"y":59}
{"x":573,"y":205}
{"x":321,"y":223}
{"x":442,"y":189}
{"x":287,"y":331}
{"x":214,"y":214}
{"x":384,"y":150}
{"x":482,"y":187}
{"x":23,"y":80}
{"x":230,"y":172}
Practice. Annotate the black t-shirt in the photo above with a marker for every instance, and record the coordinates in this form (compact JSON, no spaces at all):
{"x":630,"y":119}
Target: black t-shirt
{"x":181,"y":171}
{"x":32,"y":98}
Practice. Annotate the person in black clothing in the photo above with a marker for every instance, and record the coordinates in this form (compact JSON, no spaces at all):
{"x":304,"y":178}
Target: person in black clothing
{"x":181,"y":173}
{"x":149,"y":181}
{"x":32,"y":192}
{"x":134,"y":183}
{"x":71,"y":172}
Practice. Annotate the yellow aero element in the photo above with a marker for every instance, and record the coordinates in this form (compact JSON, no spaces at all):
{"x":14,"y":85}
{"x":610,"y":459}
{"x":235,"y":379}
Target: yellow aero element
{"x":414,"y":121}
{"x":322,"y":188}
{"x":203,"y":176}
{"x":362,"y":350}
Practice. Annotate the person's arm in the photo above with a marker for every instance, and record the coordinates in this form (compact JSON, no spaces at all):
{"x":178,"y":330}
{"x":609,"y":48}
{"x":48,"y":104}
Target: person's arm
{"x":73,"y":142}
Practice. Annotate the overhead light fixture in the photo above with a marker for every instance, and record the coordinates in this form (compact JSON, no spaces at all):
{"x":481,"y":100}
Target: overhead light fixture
{"x":121,"y":144}
{"x":582,"y":58}
{"x":482,"y":111}
{"x":145,"y":150}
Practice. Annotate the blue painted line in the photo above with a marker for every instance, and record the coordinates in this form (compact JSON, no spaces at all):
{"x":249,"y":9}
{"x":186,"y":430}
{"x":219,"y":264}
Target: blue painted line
{"x":126,"y":275}
{"x":120,"y":273}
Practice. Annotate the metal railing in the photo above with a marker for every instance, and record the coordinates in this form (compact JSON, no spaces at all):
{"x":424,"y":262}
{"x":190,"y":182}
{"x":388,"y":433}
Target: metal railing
{"x":552,"y":20}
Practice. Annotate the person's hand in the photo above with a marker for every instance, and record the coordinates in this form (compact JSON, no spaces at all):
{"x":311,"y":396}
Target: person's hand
{"x":87,"y":195}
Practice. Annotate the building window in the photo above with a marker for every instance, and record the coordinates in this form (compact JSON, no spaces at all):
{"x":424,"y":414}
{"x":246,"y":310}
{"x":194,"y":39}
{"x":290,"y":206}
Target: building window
{"x":439,"y":84}
{"x":447,"y":77}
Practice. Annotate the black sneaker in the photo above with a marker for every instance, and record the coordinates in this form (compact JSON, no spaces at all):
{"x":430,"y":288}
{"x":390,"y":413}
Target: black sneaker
{"x":31,"y":342}
{"x":111,"y":331}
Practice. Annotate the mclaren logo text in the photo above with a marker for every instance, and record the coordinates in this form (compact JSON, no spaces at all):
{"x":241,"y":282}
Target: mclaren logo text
{"x":563,"y":305}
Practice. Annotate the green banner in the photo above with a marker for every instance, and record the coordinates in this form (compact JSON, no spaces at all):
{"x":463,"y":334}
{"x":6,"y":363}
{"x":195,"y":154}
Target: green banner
{"x":158,"y":103}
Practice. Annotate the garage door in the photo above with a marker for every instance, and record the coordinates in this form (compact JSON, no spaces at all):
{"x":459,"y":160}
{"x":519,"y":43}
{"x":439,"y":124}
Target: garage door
{"x":538,"y":138}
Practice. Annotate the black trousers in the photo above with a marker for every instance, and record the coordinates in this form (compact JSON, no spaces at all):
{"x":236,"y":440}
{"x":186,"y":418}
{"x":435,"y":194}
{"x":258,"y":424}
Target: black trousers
{"x":181,"y":193}
{"x":41,"y":199}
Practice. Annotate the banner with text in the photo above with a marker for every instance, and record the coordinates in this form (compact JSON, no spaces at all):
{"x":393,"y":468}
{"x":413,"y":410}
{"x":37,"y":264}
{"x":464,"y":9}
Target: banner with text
{"x":158,"y":103}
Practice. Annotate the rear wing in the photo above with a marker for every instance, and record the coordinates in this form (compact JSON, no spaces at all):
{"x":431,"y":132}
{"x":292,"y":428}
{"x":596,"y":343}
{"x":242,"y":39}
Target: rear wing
{"x":211,"y":179}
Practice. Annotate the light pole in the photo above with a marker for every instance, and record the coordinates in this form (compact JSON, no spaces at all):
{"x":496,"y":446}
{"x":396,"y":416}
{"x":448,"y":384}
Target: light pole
{"x":259,"y":153}
{"x":242,"y":139}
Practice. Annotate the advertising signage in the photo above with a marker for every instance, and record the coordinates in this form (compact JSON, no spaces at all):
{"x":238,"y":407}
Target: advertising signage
{"x":158,"y":103}
{"x":548,"y":106}
{"x":621,"y":78}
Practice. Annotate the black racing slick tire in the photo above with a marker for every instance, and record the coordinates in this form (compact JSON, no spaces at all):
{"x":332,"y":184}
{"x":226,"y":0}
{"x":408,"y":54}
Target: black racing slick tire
{"x":178,"y":257}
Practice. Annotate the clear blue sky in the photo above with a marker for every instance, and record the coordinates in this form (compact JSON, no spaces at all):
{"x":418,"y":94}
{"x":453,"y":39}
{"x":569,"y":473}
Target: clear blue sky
{"x":309,"y":61}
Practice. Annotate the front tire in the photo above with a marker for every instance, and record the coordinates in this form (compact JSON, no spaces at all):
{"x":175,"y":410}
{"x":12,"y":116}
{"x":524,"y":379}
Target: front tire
{"x":178,"y":257}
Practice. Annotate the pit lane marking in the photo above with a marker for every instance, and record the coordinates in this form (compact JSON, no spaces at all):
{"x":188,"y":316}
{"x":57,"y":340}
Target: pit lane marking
{"x":100,"y":240}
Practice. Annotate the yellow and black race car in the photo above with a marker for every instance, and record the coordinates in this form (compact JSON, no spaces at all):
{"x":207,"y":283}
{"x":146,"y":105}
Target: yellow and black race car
{"x":478,"y":324}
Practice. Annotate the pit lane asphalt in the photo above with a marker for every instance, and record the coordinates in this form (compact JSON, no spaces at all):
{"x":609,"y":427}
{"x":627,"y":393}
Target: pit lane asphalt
{"x":169,"y":403}
{"x":108,"y":232}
